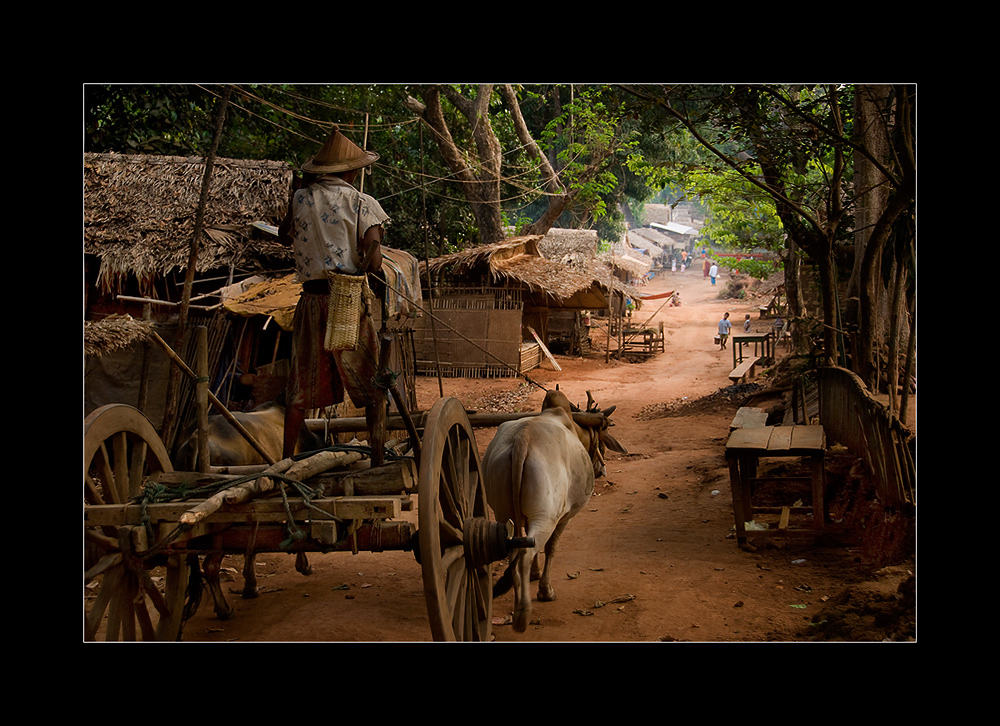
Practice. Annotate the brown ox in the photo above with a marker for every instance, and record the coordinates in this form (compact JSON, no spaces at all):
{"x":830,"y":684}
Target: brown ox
{"x":227,"y":447}
{"x":539,"y":472}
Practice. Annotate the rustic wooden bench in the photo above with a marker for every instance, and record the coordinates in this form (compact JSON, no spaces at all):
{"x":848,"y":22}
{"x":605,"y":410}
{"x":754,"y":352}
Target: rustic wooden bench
{"x":743,"y":369}
{"x":745,"y":448}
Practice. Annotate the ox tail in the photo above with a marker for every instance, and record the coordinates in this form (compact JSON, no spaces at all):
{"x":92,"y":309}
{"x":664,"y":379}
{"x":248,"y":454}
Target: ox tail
{"x":518,"y":455}
{"x":518,"y":458}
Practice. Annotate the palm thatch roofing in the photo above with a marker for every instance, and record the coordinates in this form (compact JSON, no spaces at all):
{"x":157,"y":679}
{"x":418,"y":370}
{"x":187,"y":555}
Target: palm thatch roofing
{"x":649,"y":239}
{"x":620,"y":257}
{"x":139,"y":214}
{"x":570,"y":246}
{"x":582,"y":282}
{"x":112,"y":333}
{"x":518,"y":259}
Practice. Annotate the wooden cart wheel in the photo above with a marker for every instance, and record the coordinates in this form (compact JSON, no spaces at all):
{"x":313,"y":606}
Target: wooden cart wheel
{"x":121,"y":451}
{"x":452,"y":510}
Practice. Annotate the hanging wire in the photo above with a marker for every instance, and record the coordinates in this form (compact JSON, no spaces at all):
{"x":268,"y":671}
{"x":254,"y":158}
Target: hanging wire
{"x":528,"y":192}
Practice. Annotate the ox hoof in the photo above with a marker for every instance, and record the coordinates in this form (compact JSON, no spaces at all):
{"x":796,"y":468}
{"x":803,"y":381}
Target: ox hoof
{"x":249,"y":593}
{"x":546,"y":595}
{"x":224,"y":614}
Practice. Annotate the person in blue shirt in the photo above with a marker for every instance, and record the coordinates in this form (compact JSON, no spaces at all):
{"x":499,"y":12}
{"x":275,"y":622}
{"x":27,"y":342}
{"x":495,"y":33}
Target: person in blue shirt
{"x":724,"y":326}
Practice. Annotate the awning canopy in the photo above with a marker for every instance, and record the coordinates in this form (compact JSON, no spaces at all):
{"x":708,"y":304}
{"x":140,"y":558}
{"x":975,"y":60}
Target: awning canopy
{"x":675,"y":228}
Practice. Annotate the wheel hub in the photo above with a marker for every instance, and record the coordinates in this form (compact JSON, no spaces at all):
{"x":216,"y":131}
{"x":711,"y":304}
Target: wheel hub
{"x":487,"y":542}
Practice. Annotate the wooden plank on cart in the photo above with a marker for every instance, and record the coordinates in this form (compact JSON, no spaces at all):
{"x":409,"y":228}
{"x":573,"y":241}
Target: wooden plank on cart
{"x":368,"y":507}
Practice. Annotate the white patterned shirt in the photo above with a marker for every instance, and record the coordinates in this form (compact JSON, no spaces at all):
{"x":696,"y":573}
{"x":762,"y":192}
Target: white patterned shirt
{"x":325,"y":221}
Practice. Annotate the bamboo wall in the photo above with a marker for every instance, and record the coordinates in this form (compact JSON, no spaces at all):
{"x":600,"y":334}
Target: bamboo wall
{"x":852,"y":417}
{"x":476,"y":333}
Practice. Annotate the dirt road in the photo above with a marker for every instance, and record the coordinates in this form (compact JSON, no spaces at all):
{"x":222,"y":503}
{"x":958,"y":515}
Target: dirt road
{"x":650,"y":559}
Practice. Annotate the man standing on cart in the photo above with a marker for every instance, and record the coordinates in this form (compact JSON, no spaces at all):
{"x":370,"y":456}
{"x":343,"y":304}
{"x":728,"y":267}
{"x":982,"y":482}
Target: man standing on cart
{"x":336,"y":234}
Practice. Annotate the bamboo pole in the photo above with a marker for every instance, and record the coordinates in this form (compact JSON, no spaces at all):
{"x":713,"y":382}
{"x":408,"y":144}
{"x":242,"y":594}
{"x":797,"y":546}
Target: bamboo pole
{"x":215,"y":401}
{"x":201,"y":397}
{"x":170,"y":414}
{"x":427,"y":267}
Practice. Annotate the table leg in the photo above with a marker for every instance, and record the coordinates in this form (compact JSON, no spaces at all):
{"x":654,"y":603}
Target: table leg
{"x":737,"y":490}
{"x":748,"y":470}
{"x":819,"y":505}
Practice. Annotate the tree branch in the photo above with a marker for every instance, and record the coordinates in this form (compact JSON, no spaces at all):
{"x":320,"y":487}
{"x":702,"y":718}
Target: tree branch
{"x":689,"y":125}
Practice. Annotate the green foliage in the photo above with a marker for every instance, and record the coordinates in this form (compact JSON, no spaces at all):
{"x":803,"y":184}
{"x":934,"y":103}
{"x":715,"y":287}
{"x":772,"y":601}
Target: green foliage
{"x":739,"y":216}
{"x":758,"y":269}
{"x":141,"y":119}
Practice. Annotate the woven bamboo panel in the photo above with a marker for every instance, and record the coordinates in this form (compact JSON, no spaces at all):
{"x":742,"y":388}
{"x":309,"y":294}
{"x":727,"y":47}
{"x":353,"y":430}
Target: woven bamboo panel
{"x":471,"y":337}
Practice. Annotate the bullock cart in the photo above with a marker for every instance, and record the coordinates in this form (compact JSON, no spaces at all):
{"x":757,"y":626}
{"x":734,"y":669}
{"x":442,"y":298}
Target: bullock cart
{"x":146,"y":525}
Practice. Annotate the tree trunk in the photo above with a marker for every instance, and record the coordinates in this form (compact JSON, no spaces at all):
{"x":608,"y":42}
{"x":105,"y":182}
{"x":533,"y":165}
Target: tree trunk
{"x":828,"y":287}
{"x":897,"y":303}
{"x":884,"y":129}
{"x":911,"y":354}
{"x":479,"y":180}
{"x":558,"y":197}
{"x":793,"y":294}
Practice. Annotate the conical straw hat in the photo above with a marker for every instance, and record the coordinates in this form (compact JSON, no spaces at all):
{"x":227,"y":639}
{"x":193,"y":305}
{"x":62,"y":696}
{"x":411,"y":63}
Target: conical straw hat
{"x":339,"y":154}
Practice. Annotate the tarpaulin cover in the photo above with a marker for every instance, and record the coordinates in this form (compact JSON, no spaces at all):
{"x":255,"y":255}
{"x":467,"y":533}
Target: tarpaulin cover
{"x":277,"y":297}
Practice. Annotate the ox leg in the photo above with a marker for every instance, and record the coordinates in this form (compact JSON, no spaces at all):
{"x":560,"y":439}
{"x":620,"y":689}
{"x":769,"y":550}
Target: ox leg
{"x":506,"y":581}
{"x":522,"y":595}
{"x":545,"y":591}
{"x":536,"y":569}
{"x":250,"y":590}
{"x":212,"y":569}
{"x":302,"y":563}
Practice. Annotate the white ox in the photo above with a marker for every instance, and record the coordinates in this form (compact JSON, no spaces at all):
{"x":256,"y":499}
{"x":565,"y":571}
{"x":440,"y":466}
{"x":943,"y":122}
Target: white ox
{"x":539,"y":472}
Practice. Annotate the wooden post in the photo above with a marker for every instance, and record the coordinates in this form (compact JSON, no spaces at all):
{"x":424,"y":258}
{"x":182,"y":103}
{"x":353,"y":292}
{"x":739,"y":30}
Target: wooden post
{"x":170,"y":413}
{"x":147,"y":353}
{"x":201,"y":396}
{"x":427,"y":267}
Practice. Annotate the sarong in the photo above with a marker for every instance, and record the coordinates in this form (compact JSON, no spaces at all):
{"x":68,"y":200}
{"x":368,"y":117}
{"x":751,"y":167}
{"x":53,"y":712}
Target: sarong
{"x":318,"y":378}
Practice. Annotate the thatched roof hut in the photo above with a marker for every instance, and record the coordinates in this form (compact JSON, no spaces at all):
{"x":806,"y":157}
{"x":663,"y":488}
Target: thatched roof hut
{"x":139,"y":218}
{"x":139,"y":215}
{"x":620,"y":258}
{"x":518,"y":260}
{"x":649,"y":239}
{"x":569,"y":246}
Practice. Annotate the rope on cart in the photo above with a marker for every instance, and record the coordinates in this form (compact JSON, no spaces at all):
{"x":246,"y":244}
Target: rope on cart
{"x":156,"y":493}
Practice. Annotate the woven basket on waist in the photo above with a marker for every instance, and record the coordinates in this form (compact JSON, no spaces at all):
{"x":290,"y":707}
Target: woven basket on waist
{"x":348,"y":295}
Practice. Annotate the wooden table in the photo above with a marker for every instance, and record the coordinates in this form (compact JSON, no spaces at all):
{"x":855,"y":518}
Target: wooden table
{"x":744,"y":450}
{"x":738,"y":340}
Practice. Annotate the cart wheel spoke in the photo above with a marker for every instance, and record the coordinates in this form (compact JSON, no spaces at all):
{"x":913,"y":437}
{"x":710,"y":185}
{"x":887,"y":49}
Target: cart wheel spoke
{"x":449,"y":498}
{"x":121,"y":451}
